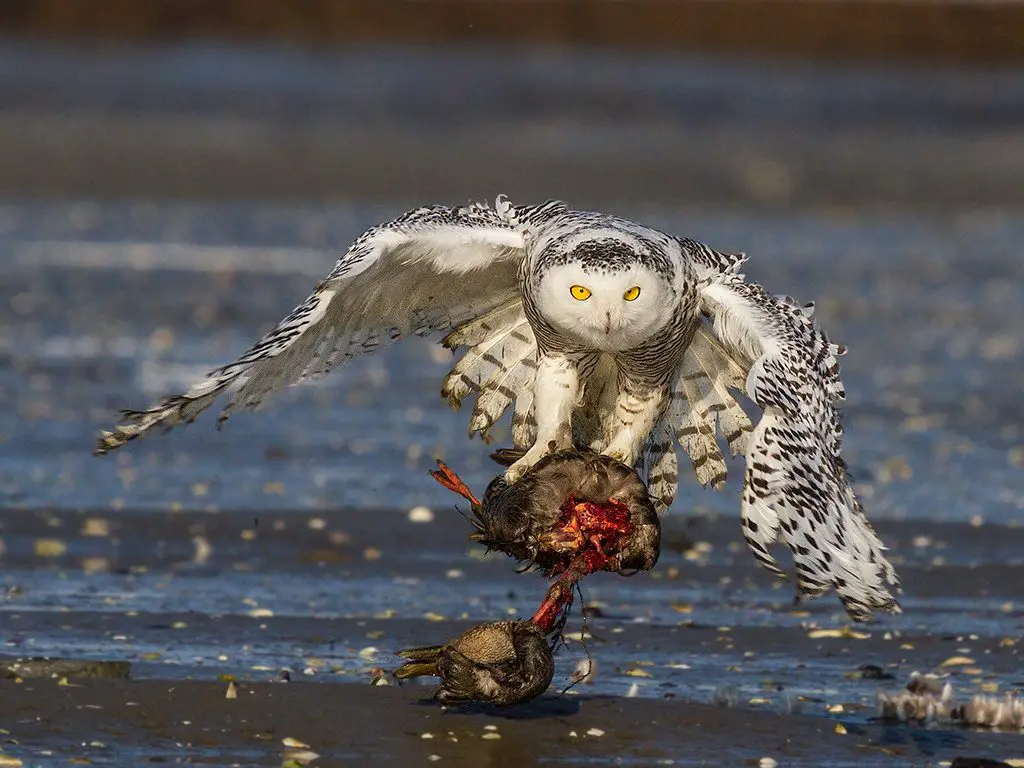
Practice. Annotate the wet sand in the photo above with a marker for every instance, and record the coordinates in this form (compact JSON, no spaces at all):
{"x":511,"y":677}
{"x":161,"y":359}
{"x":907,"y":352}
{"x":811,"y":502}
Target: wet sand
{"x":138,"y":722}
{"x":189,"y":598}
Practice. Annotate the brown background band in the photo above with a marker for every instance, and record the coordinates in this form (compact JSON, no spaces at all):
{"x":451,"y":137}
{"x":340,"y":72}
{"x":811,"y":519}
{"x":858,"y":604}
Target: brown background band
{"x":979,"y":31}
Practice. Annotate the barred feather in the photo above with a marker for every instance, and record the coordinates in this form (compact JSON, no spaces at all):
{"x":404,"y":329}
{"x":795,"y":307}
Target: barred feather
{"x":499,"y":341}
{"x":795,"y":486}
{"x":479,"y":329}
{"x":723,"y":373}
{"x":689,"y":412}
{"x":430,"y":269}
{"x":301,"y":324}
{"x":501,"y":391}
{"x":662,"y":467}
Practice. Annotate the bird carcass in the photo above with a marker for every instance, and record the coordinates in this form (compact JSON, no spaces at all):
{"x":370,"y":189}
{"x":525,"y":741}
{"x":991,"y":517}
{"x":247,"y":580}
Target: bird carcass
{"x":574,"y":513}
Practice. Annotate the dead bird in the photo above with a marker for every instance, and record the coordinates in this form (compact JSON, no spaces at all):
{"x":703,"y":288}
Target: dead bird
{"x":572,"y":514}
{"x":501,"y":662}
{"x":568,"y":501}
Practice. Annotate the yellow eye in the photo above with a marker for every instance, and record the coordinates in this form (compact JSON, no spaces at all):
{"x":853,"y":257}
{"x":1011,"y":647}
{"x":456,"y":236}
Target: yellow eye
{"x":580,"y":293}
{"x":632,"y":293}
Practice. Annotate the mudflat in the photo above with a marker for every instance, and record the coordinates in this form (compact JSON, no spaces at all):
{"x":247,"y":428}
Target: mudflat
{"x":706,"y":659}
{"x":151,"y":721}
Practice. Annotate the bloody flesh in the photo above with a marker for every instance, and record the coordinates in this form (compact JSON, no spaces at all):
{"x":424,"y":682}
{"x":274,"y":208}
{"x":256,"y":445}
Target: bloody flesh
{"x":595,"y":533}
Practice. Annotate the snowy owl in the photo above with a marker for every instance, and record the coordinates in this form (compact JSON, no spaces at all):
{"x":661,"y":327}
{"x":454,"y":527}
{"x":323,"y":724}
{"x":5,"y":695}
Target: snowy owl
{"x":601,"y":333}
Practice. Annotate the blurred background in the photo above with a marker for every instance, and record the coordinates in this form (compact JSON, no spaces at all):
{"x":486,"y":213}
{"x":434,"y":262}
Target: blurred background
{"x":175,"y":176}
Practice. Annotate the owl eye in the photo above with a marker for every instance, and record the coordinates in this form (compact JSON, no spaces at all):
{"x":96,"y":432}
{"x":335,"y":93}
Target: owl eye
{"x":632,"y":293}
{"x":580,"y":293}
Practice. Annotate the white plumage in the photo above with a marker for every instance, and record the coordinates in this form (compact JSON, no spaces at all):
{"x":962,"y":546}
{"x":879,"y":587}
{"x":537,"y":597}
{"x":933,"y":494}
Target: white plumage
{"x":599,"y":332}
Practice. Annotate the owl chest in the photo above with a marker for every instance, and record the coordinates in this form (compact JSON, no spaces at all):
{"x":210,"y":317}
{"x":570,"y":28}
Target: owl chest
{"x":602,"y":379}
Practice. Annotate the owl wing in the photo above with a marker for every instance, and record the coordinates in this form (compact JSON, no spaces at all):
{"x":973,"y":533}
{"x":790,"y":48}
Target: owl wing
{"x":701,"y":406}
{"x":796,"y":487}
{"x":428,"y":270}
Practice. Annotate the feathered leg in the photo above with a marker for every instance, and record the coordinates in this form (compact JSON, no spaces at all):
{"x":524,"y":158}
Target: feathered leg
{"x":556,"y":391}
{"x":636,"y":414}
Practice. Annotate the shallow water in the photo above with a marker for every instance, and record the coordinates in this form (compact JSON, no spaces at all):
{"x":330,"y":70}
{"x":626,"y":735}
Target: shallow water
{"x":114,"y":305}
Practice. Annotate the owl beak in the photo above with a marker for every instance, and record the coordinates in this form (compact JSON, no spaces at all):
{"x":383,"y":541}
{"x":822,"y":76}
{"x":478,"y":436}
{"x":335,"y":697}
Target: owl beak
{"x":607,"y":322}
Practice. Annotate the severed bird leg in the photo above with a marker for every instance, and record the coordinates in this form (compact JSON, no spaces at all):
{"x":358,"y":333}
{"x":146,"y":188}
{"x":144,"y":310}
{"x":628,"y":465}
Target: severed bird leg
{"x":446,"y":476}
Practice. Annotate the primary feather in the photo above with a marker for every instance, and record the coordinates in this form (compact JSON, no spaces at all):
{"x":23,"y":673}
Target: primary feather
{"x":384,"y":287}
{"x":796,"y":487}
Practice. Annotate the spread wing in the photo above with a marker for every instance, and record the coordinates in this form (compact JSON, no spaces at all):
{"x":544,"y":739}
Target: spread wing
{"x":429,"y":270}
{"x":701,"y":406}
{"x":796,"y":487}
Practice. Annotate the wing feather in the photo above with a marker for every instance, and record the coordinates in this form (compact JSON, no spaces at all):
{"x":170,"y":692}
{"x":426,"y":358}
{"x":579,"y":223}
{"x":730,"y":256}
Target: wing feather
{"x":499,"y":365}
{"x":724,"y":374}
{"x":690,"y":412}
{"x":487,"y":338}
{"x":501,"y":390}
{"x":662,"y":467}
{"x":430,"y":269}
{"x":796,"y":486}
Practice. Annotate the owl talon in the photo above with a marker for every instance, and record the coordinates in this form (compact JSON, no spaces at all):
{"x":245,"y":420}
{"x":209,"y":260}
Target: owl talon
{"x":619,"y":456}
{"x":517,"y":470}
{"x":531,"y":457}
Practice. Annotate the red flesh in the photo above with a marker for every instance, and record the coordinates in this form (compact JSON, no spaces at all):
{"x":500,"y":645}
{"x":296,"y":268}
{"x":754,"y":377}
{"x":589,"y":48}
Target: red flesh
{"x":590,"y":530}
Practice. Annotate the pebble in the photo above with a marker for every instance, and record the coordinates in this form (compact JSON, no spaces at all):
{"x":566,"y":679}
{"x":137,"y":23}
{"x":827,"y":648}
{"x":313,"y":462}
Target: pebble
{"x":421,"y":515}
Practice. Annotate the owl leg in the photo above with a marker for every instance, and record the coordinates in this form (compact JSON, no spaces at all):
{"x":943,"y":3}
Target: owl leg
{"x":556,"y":390}
{"x":634,"y":417}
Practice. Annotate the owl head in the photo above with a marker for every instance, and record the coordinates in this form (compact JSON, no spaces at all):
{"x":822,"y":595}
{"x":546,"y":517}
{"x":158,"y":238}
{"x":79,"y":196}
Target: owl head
{"x":605,"y":295}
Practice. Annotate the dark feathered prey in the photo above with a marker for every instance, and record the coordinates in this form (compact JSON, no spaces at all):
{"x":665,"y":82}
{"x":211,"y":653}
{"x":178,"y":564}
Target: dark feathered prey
{"x":548,"y":516}
{"x":502,"y":662}
{"x":574,"y":513}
